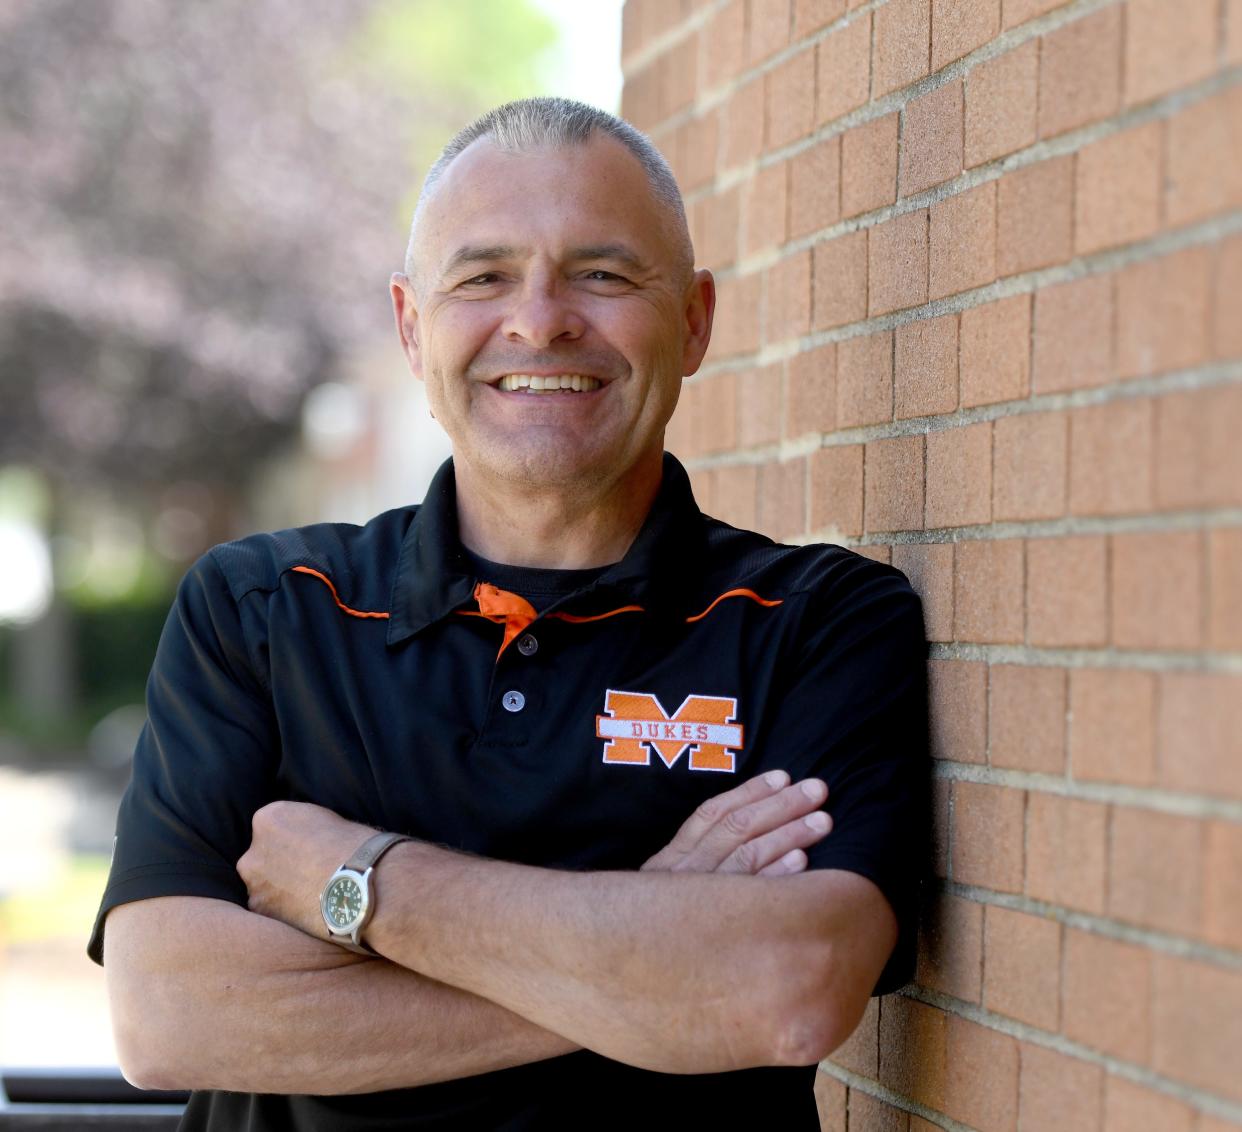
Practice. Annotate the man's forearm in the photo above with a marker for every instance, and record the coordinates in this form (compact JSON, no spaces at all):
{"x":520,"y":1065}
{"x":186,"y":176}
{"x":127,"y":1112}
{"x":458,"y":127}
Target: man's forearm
{"x":207,"y":995}
{"x":680,"y":972}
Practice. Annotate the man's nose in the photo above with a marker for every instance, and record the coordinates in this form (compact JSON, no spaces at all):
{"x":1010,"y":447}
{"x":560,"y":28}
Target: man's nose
{"x":542,"y":312}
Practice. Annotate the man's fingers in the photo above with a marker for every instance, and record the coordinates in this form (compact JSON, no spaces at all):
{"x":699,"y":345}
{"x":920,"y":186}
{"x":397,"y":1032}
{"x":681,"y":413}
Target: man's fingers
{"x":792,"y":862}
{"x":787,"y":841}
{"x":713,"y":809}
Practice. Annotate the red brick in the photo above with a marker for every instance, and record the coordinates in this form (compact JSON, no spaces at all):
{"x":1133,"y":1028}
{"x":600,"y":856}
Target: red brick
{"x":713,"y":409}
{"x":1225,"y":589}
{"x":925,"y":367}
{"x":981,"y":1085}
{"x":640,"y":97}
{"x":782,"y":499}
{"x":929,"y":566}
{"x":1030,"y":454}
{"x":1117,"y":189}
{"x":765,"y":199}
{"x":1073,"y":346}
{"x":843,"y":70}
{"x":1233,"y":32}
{"x":1154,"y":867}
{"x":1199,"y":719}
{"x":830,"y":1102}
{"x":1026,"y":718}
{"x":1106,"y":995}
{"x":811,"y":394}
{"x":1014,"y":12}
{"x":743,"y":122}
{"x":1002,"y":102}
{"x":791,"y":110}
{"x":918,"y":1124}
{"x":837,"y":491}
{"x":724,"y":51}
{"x":788,"y":307}
{"x":679,"y":76}
{"x":913,"y":1050}
{"x":865,"y":380}
{"x":941,"y":796}
{"x":897,"y":263}
{"x":996,"y":351}
{"x":736,"y":492}
{"x":814,"y":188}
{"x":902,"y":44}
{"x":1197,"y":1024}
{"x":1199,"y":184}
{"x":876,"y":551}
{"x":1198,"y":459}
{"x":870,"y":1114}
{"x":759,"y":406}
{"x":1128,"y":1106}
{"x":1022,"y":967}
{"x":931,"y":138}
{"x":1168,"y":46}
{"x":1035,"y":216}
{"x":1080,"y":72}
{"x":987,"y":836}
{"x":869,"y":165}
{"x":717,"y":247}
{"x":894,"y":484}
{"x":736,"y":323}
{"x":1067,"y":591}
{"x":840,"y":268}
{"x":860,"y":1052}
{"x":1222,"y":884}
{"x":1066,"y":852}
{"x":1111,"y":448}
{"x":1163,"y":313}
{"x":1113,"y":725}
{"x":951,"y":947}
{"x":769,"y":28}
{"x":700,"y":141}
{"x":987,"y":592}
{"x":1226,"y":326}
{"x":1058,"y":1092}
{"x":961,"y":26}
{"x":1213,"y":1124}
{"x":963,"y":241}
{"x":959,"y":476}
{"x":811,"y":15}
{"x":1157,"y":598}
{"x":958,"y":691}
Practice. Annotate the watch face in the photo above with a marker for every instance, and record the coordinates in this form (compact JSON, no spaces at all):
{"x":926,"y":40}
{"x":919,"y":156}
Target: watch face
{"x":342,"y":902}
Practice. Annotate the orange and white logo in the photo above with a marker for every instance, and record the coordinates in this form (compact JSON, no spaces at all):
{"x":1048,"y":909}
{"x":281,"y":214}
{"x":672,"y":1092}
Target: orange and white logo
{"x":637,"y":724}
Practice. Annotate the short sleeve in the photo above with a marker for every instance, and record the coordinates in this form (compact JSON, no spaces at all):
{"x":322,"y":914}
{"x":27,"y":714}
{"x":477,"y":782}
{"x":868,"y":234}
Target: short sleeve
{"x":855,"y":714}
{"x":206,"y":759}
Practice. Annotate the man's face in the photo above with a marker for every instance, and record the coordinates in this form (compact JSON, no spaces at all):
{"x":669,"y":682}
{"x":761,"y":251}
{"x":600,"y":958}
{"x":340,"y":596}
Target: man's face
{"x":557,"y":264}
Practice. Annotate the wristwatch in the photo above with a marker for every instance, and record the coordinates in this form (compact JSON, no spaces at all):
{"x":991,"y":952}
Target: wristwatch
{"x":348,"y":900}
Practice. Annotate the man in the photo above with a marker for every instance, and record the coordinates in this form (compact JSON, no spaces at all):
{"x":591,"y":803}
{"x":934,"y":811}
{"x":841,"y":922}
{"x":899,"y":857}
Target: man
{"x":605,"y":724}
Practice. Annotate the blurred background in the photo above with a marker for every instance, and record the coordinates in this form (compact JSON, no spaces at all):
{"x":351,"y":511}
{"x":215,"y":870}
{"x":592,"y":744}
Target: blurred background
{"x":200,"y":207}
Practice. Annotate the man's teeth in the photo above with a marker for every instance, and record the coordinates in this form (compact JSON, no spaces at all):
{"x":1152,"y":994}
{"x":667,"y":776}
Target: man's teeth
{"x":534,"y":383}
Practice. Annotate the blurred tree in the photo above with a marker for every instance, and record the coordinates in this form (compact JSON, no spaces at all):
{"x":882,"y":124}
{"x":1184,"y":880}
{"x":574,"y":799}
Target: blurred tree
{"x":202,"y":203}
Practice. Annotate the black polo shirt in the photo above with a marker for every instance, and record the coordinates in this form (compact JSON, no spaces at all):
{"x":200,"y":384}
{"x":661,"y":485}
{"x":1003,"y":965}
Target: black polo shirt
{"x":370,"y":670}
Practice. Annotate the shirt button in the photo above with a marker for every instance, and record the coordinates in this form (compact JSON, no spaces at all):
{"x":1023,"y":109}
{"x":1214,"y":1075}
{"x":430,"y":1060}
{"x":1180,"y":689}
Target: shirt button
{"x":527,"y":645}
{"x":513,"y":701}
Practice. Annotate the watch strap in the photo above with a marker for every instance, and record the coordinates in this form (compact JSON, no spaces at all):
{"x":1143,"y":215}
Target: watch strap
{"x":372,"y":849}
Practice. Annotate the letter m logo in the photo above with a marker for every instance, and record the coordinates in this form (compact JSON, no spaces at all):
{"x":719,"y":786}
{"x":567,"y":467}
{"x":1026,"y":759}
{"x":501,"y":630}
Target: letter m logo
{"x":637,"y":724}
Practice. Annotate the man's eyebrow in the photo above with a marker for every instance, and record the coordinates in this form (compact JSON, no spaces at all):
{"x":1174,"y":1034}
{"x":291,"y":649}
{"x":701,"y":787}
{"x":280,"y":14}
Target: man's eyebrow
{"x":618,"y":253}
{"x":478,"y":254}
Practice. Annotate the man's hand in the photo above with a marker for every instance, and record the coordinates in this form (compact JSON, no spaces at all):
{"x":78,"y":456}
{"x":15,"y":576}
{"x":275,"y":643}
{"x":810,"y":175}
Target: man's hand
{"x":295,"y":847}
{"x":759,"y":828}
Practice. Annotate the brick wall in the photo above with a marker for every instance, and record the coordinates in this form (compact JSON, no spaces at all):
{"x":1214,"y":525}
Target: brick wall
{"x":980,"y":315}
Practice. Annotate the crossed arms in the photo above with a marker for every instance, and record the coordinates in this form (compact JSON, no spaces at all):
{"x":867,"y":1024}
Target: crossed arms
{"x":721,"y":953}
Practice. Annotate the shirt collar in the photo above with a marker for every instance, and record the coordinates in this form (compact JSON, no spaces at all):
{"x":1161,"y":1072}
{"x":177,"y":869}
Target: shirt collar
{"x":435,"y":577}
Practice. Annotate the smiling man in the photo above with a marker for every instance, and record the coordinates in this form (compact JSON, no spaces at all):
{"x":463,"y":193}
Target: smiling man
{"x":550,"y":802}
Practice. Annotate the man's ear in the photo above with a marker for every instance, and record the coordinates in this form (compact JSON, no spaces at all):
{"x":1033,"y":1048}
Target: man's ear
{"x":700,"y":307}
{"x":405,"y":310}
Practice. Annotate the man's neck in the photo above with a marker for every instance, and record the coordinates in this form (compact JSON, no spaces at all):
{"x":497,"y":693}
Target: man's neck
{"x":567,"y":528}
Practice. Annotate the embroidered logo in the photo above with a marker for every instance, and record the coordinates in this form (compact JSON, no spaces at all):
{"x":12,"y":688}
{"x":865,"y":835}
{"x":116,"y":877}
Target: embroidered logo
{"x":637,"y":724}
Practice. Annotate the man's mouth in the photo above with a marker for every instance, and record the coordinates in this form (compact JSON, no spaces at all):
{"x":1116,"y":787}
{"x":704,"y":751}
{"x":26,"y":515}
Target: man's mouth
{"x":559,"y":383}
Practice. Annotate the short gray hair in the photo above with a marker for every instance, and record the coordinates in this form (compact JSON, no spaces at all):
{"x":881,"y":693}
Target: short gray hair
{"x":531,"y":123}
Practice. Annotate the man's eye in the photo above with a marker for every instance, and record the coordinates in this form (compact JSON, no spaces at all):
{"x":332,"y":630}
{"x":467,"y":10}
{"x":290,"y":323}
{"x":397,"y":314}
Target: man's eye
{"x":480,"y":280}
{"x":603,"y":276}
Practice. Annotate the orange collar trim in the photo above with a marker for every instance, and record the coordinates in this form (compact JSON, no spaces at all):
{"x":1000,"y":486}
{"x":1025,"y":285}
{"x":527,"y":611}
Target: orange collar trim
{"x":336,"y":597}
